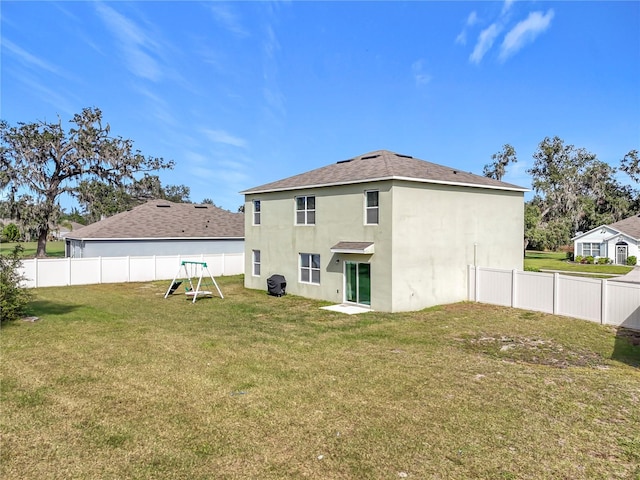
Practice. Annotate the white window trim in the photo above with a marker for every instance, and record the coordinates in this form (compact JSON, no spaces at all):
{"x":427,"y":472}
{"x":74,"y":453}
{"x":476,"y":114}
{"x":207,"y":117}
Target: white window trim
{"x":306,"y":211}
{"x":590,"y":254}
{"x":367,"y":207}
{"x":310,"y":268}
{"x":254,"y":263}
{"x":254,"y":212}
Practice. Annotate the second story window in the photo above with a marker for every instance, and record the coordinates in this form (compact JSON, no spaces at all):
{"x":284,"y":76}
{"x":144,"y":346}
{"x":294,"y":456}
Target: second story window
{"x":306,"y":210}
{"x":372,"y":209}
{"x":256,"y":212}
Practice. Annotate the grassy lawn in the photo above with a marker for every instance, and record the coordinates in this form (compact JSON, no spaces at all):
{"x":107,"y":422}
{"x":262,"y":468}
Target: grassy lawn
{"x":557,"y":261}
{"x":54,"y":249}
{"x":116,"y":382}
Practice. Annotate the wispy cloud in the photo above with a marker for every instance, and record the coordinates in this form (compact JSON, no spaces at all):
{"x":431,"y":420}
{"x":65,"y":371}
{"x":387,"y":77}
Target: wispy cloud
{"x":506,"y":6}
{"x":272,"y":94}
{"x":228,"y":19}
{"x":136,"y":46}
{"x":525,"y":32}
{"x":419,"y":75}
{"x":472,"y":19}
{"x":221,"y":136}
{"x":485,"y":42}
{"x":29,"y":59}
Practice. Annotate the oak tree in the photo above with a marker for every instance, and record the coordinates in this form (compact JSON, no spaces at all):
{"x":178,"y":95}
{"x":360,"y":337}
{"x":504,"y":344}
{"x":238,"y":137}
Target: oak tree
{"x":40,"y":161}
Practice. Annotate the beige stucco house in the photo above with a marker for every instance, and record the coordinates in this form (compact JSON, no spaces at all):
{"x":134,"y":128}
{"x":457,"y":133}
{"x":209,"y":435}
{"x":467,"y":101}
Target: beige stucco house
{"x":382,"y":230}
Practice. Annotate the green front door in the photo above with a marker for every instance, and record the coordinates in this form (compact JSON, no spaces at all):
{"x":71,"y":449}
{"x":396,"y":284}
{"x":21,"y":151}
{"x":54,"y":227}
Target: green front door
{"x":358,"y":283}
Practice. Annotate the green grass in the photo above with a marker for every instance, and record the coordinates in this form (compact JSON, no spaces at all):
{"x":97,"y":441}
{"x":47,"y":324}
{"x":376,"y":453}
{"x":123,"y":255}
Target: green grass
{"x":54,"y":249}
{"x":116,"y":382}
{"x":534,"y":260}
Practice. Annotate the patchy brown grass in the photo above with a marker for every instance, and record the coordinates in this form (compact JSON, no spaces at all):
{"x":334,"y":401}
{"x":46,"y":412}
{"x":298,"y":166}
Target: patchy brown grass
{"x":114,"y":381}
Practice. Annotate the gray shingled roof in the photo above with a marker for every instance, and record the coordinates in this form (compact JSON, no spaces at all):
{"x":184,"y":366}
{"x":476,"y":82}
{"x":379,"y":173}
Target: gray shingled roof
{"x":164,"y":219}
{"x":382,"y":165}
{"x":630,"y":226}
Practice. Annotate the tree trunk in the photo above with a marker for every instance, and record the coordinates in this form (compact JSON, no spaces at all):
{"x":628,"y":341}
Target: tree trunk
{"x":41,"y":252}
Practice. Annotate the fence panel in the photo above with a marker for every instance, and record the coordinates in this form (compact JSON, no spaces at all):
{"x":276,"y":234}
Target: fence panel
{"x":495,"y":286}
{"x":602,"y":301}
{"x":623,"y":305}
{"x":50,"y":273}
{"x":142,"y":269}
{"x":85,"y":271}
{"x":56,"y":272}
{"x":535,"y":291}
{"x":580,"y":298}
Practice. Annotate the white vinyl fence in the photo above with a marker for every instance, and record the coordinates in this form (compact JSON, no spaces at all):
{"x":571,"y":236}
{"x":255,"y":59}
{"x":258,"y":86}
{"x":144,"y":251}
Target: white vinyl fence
{"x":56,"y":272}
{"x":598,"y":300}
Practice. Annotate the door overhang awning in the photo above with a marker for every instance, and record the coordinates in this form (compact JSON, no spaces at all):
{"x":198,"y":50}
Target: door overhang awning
{"x":363,"y":248}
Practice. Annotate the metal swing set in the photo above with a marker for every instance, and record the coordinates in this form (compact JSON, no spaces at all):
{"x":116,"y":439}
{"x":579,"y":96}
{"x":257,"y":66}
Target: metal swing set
{"x":191,"y":271}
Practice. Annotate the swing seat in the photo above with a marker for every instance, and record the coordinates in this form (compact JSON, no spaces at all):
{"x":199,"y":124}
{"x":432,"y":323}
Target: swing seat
{"x":191,"y":293}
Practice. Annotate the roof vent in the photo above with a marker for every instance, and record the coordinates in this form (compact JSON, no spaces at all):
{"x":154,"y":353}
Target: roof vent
{"x":344,"y":161}
{"x":201,"y":206}
{"x":369,"y":156}
{"x":162,"y":205}
{"x":403,"y":156}
{"x":455,"y":172}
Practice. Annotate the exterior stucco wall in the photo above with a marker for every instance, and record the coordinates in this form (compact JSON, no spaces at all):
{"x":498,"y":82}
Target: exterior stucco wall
{"x":439,"y":230}
{"x":340,"y":214}
{"x":426,"y":237}
{"x":123,"y":248}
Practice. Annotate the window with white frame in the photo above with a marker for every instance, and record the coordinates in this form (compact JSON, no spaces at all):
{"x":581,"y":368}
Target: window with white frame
{"x":256,"y":212}
{"x":591,"y":249}
{"x":310,"y":268}
{"x":306,"y":210}
{"x":372,"y":209}
{"x":256,"y":263}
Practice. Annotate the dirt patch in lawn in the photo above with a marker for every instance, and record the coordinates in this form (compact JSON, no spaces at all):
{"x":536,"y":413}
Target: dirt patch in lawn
{"x":535,"y":351}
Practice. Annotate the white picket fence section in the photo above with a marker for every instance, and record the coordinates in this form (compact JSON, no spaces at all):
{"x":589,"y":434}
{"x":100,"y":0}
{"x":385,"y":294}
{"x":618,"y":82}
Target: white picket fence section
{"x":598,"y":300}
{"x":57,"y":272}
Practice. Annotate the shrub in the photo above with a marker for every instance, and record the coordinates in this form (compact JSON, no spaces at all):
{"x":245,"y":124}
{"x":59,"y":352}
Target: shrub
{"x":603,"y":260}
{"x":13,"y":297}
{"x":570,"y":256}
{"x":11,"y":232}
{"x":589,"y":260}
{"x":632,"y":260}
{"x":579,"y":259}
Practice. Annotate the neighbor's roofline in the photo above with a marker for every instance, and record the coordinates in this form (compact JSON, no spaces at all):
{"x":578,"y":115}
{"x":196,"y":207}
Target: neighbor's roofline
{"x":380,"y":179}
{"x":609,"y":227}
{"x":151,"y":238}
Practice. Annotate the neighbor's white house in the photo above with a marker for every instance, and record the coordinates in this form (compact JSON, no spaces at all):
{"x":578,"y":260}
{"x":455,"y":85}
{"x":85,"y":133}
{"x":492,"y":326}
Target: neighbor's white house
{"x":382,"y":230}
{"x":616,"y":241}
{"x":160,"y":227}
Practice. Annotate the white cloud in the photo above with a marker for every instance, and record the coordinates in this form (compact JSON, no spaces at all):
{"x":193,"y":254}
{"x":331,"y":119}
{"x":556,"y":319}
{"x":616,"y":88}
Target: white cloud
{"x":472,"y":19}
{"x":485,"y":42}
{"x":525,"y":32}
{"x":420,"y":77}
{"x":220,"y":136}
{"x":137,"y":47}
{"x":506,"y":6}
{"x":228,"y":19}
{"x":28,"y":59}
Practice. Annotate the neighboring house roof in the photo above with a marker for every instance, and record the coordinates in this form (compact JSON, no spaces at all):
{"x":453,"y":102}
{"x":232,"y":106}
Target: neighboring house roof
{"x":382,"y":165}
{"x":629,"y":226}
{"x":163,"y":219}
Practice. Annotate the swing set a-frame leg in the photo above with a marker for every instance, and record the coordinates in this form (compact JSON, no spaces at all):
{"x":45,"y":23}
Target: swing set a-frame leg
{"x":173,"y":285}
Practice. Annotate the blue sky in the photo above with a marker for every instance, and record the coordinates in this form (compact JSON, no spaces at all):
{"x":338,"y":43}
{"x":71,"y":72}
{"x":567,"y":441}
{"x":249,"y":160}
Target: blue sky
{"x":244,"y":93}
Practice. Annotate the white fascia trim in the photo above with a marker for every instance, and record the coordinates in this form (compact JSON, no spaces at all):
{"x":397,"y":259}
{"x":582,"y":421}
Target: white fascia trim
{"x":380,"y":179}
{"x":84,"y":239}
